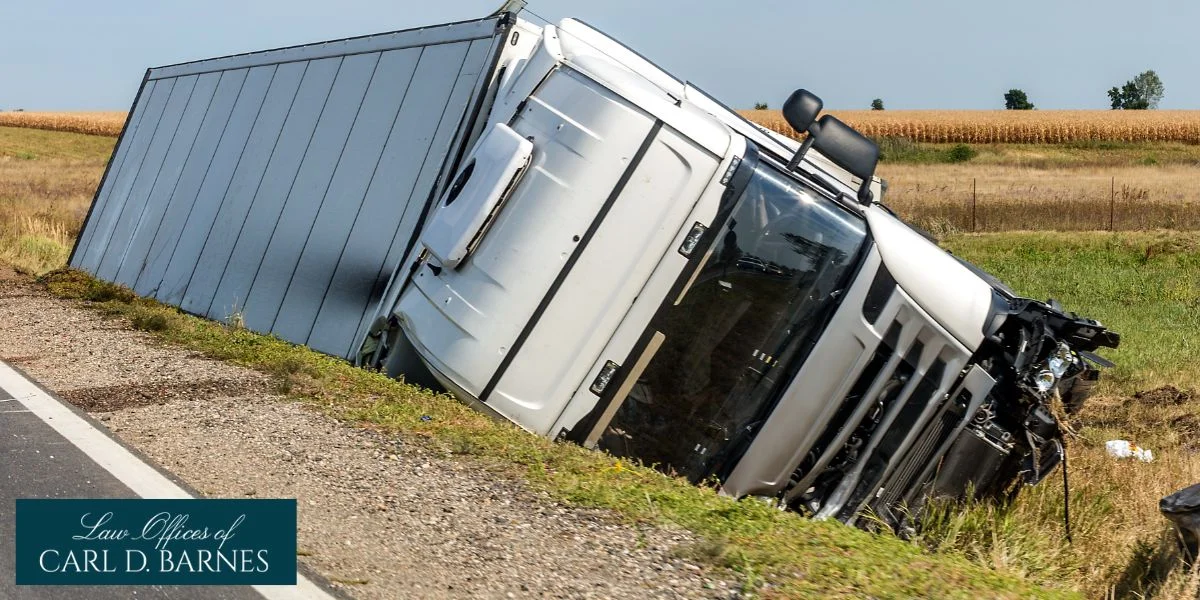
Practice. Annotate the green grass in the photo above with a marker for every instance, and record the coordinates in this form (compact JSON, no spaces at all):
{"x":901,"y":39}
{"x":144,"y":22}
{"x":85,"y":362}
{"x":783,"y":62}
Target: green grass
{"x":35,"y":144}
{"x":793,"y":556}
{"x":1083,"y":154}
{"x":904,"y":150}
{"x":1145,"y":286}
{"x":35,"y":254}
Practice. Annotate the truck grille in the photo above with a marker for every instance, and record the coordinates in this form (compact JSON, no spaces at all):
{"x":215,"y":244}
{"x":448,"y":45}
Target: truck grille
{"x":899,"y":485}
{"x":891,"y":438}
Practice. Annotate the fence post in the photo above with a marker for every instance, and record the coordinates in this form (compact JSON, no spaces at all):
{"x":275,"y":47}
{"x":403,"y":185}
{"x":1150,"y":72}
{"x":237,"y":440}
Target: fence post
{"x":973,"y":203}
{"x":1112,"y":203}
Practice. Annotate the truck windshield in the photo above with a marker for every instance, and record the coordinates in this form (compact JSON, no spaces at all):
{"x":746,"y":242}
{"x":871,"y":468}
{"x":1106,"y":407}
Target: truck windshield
{"x":774,"y":273}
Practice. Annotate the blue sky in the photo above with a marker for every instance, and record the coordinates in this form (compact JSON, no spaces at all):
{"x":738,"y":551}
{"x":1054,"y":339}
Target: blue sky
{"x":75,"y":55}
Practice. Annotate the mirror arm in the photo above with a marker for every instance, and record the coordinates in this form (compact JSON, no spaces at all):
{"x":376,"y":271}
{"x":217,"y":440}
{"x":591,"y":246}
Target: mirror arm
{"x":799,"y":156}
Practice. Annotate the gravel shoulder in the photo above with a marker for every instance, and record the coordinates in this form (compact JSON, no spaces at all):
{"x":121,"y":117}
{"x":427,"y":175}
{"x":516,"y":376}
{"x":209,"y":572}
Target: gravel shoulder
{"x":380,"y":516}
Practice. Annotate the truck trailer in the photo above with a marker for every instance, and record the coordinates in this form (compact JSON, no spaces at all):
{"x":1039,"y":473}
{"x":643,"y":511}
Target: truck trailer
{"x":563,"y":235}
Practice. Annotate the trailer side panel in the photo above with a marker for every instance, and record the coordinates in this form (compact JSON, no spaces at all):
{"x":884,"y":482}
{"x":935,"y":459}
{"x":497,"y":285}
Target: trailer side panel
{"x":279,"y":187}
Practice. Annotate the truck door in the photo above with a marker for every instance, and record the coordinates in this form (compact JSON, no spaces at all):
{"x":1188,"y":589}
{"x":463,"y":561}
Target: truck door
{"x":518,"y":322}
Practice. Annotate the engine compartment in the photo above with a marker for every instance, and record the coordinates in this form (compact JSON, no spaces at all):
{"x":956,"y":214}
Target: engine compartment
{"x":1043,"y":360}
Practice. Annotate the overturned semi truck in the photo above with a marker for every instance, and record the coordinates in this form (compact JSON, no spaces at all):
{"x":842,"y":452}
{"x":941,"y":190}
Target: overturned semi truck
{"x":562,"y":234}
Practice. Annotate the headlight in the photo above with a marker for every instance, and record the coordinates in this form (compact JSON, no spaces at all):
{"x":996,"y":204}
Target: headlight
{"x":1060,"y":361}
{"x":1044,"y":380}
{"x":1057,"y":366}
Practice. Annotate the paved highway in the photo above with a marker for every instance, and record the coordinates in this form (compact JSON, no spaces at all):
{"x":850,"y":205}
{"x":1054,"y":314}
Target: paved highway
{"x":49,"y":449}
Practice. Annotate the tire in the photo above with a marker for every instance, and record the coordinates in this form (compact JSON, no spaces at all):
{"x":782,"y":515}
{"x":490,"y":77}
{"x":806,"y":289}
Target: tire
{"x":404,"y":363}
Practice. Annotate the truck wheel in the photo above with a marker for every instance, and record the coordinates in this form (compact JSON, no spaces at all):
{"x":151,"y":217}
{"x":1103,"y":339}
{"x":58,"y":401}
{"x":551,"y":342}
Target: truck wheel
{"x":403,"y":362}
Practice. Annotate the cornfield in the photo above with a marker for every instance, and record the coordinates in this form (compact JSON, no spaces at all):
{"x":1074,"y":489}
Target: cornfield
{"x":933,"y":126}
{"x":92,"y":123}
{"x":1012,"y":126}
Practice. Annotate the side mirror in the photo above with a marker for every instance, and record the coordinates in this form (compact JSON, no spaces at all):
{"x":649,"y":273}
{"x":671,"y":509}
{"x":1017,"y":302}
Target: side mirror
{"x":846,"y":147}
{"x":801,"y":110}
{"x":849,"y":150}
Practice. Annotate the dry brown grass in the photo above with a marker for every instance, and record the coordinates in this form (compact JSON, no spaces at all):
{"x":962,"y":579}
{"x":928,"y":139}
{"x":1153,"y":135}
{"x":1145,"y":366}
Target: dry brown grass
{"x":938,"y":197}
{"x":1011,"y":126}
{"x":47,"y":180}
{"x":1122,"y":547}
{"x":42,"y":206}
{"x":92,"y":123}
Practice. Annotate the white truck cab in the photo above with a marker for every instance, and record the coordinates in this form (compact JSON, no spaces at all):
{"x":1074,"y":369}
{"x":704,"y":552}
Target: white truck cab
{"x":646,"y":272}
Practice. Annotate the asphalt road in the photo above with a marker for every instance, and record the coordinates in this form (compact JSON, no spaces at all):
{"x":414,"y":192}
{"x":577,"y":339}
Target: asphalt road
{"x":42,"y":442}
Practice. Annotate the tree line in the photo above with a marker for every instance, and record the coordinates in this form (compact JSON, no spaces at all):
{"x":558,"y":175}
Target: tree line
{"x":1140,"y":93}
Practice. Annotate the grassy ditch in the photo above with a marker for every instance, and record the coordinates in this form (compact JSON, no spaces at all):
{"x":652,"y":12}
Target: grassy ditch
{"x":1144,"y":285}
{"x":1147,"y":287}
{"x":791,"y":556}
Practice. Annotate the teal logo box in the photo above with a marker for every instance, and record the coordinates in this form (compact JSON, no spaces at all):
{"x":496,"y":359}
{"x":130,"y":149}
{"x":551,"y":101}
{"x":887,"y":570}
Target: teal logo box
{"x":155,"y":542}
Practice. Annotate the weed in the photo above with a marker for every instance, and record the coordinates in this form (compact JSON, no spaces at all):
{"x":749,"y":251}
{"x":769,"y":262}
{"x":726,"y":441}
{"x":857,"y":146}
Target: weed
{"x":939,"y":227}
{"x":236,"y":320}
{"x":152,"y":318}
{"x":77,"y":285}
{"x":893,"y":149}
{"x":1098,"y":145}
{"x":710,"y":551}
{"x":904,"y":150}
{"x":151,"y":322}
{"x":960,"y":153}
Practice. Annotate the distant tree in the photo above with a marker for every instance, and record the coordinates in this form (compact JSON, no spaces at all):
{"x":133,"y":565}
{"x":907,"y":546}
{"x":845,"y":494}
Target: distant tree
{"x":1016,"y":99}
{"x":1115,"y":98}
{"x":1150,"y":87}
{"x":877,"y":104}
{"x":1140,"y":93}
{"x":761,"y":106}
{"x":1127,"y":97}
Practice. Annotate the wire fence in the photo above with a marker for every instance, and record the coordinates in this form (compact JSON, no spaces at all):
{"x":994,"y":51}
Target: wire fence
{"x":983,"y":205}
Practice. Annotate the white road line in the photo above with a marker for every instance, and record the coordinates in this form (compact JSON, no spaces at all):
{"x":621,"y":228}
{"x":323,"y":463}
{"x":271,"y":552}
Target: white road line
{"x":138,"y":476}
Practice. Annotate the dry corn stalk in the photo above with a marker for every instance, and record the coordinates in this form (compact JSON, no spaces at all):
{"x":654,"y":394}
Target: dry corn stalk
{"x":92,"y":123}
{"x":1012,"y":126}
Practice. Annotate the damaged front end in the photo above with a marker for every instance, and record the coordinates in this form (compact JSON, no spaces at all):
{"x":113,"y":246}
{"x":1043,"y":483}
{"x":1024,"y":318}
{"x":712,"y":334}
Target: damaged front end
{"x":999,"y":429}
{"x":1043,"y":363}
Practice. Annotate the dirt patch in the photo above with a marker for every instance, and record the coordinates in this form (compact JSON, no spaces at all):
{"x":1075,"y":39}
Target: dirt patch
{"x":1166,"y":395}
{"x":1170,"y":245}
{"x":1166,"y":417}
{"x":18,"y":360}
{"x":116,"y":397}
{"x":1187,"y":427}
